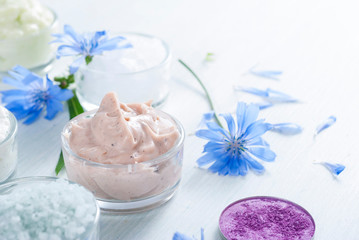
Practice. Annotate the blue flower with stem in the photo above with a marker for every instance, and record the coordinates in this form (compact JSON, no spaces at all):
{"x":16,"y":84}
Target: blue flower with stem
{"x":85,"y":46}
{"x":32,"y":95}
{"x":234,"y":150}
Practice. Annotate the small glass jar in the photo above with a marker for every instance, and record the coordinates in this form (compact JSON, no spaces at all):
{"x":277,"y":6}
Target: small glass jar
{"x":127,"y":188}
{"x":136,"y":74}
{"x":31,"y":51}
{"x":90,"y":231}
{"x":8,"y":148}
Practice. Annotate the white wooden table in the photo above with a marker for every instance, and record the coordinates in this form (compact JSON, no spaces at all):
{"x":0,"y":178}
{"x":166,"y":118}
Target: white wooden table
{"x":315,"y":44}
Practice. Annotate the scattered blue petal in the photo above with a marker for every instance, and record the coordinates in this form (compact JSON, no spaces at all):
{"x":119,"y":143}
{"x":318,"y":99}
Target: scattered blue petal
{"x":327,"y":123}
{"x":335,"y":169}
{"x":287,"y":128}
{"x":254,"y":91}
{"x":34,"y":94}
{"x":234,"y":150}
{"x":266,"y":74}
{"x":206,"y":117}
{"x":180,"y":236}
{"x":268,"y":94}
{"x":84,"y":45}
{"x":264,"y":105}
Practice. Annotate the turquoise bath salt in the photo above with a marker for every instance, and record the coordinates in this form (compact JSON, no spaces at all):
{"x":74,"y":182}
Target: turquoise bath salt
{"x":46,"y":209}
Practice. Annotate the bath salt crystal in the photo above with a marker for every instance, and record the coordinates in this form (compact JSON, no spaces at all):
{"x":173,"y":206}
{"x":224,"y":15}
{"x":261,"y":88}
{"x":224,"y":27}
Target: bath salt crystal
{"x":56,"y":210}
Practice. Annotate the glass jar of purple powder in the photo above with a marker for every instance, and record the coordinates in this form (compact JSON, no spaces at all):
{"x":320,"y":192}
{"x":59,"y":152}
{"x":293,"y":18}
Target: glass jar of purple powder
{"x":266,"y":218}
{"x":46,"y":208}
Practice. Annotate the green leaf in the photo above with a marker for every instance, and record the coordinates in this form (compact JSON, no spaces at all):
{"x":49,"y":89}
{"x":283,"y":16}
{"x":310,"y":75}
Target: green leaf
{"x":88,"y":59}
{"x":60,"y":164}
{"x":65,"y":82}
{"x":74,"y":105}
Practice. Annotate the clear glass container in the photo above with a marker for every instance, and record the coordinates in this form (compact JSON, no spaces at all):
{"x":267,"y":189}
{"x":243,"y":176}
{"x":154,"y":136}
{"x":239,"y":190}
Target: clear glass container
{"x":127,"y":188}
{"x":91,"y":231}
{"x":136,"y":74}
{"x":8,"y":149}
{"x":31,"y":51}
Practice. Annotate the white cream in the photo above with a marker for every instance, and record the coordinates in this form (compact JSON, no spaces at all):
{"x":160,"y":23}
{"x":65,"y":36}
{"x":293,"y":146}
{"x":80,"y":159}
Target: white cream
{"x":25,"y":32}
{"x":8,"y":147}
{"x":23,"y":17}
{"x":4,"y":124}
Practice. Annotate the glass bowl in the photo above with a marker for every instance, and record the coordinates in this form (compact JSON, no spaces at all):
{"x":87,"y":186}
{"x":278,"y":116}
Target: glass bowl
{"x":8,"y":149}
{"x":89,"y":227}
{"x":136,"y":74}
{"x":127,"y":188}
{"x":30,"y":51}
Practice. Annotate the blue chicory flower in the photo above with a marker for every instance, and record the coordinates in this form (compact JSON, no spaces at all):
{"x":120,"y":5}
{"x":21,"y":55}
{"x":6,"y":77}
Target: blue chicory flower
{"x":286,"y":128}
{"x":86,"y":45}
{"x":269,"y":94}
{"x":335,"y":169}
{"x":233,"y":151}
{"x":32,"y":95}
{"x":180,"y":236}
{"x":327,"y":123}
{"x":266,"y":74}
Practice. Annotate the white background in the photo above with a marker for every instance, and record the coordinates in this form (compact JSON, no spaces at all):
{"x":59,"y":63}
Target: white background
{"x":314,"y":43}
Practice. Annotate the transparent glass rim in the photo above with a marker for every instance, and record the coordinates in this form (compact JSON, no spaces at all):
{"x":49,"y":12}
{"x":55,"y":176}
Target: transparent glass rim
{"x":52,"y":25}
{"x":165,"y":60}
{"x":24,"y":180}
{"x":164,"y":157}
{"x":13,"y":127}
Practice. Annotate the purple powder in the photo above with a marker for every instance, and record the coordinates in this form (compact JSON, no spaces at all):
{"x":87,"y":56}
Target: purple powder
{"x":268,"y":218}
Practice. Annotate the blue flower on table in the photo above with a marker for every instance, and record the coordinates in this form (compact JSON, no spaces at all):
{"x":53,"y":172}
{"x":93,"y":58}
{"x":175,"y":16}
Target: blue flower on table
{"x":85,"y":46}
{"x":233,"y":151}
{"x":33,"y":94}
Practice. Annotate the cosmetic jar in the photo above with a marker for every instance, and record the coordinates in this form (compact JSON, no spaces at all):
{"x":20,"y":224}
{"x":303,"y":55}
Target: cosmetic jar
{"x":126,"y":188}
{"x":136,"y":74}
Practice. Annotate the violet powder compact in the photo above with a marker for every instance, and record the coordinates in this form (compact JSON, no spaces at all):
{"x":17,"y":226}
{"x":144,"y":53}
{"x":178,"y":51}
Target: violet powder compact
{"x":259,"y":218}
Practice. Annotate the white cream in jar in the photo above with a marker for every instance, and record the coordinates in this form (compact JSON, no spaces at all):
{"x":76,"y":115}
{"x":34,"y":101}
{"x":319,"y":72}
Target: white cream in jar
{"x":8,"y":146}
{"x":25,"y":32}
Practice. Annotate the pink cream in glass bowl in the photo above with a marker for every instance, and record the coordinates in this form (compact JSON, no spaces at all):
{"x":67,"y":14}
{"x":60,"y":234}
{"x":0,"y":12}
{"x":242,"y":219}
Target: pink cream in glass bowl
{"x":128,"y":155}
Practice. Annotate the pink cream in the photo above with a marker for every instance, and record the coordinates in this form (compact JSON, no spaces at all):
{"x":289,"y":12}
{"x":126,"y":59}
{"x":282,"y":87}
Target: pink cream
{"x":122,"y":133}
{"x":112,"y":150}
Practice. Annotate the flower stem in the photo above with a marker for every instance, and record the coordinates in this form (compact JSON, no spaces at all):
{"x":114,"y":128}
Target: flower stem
{"x":205,"y":90}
